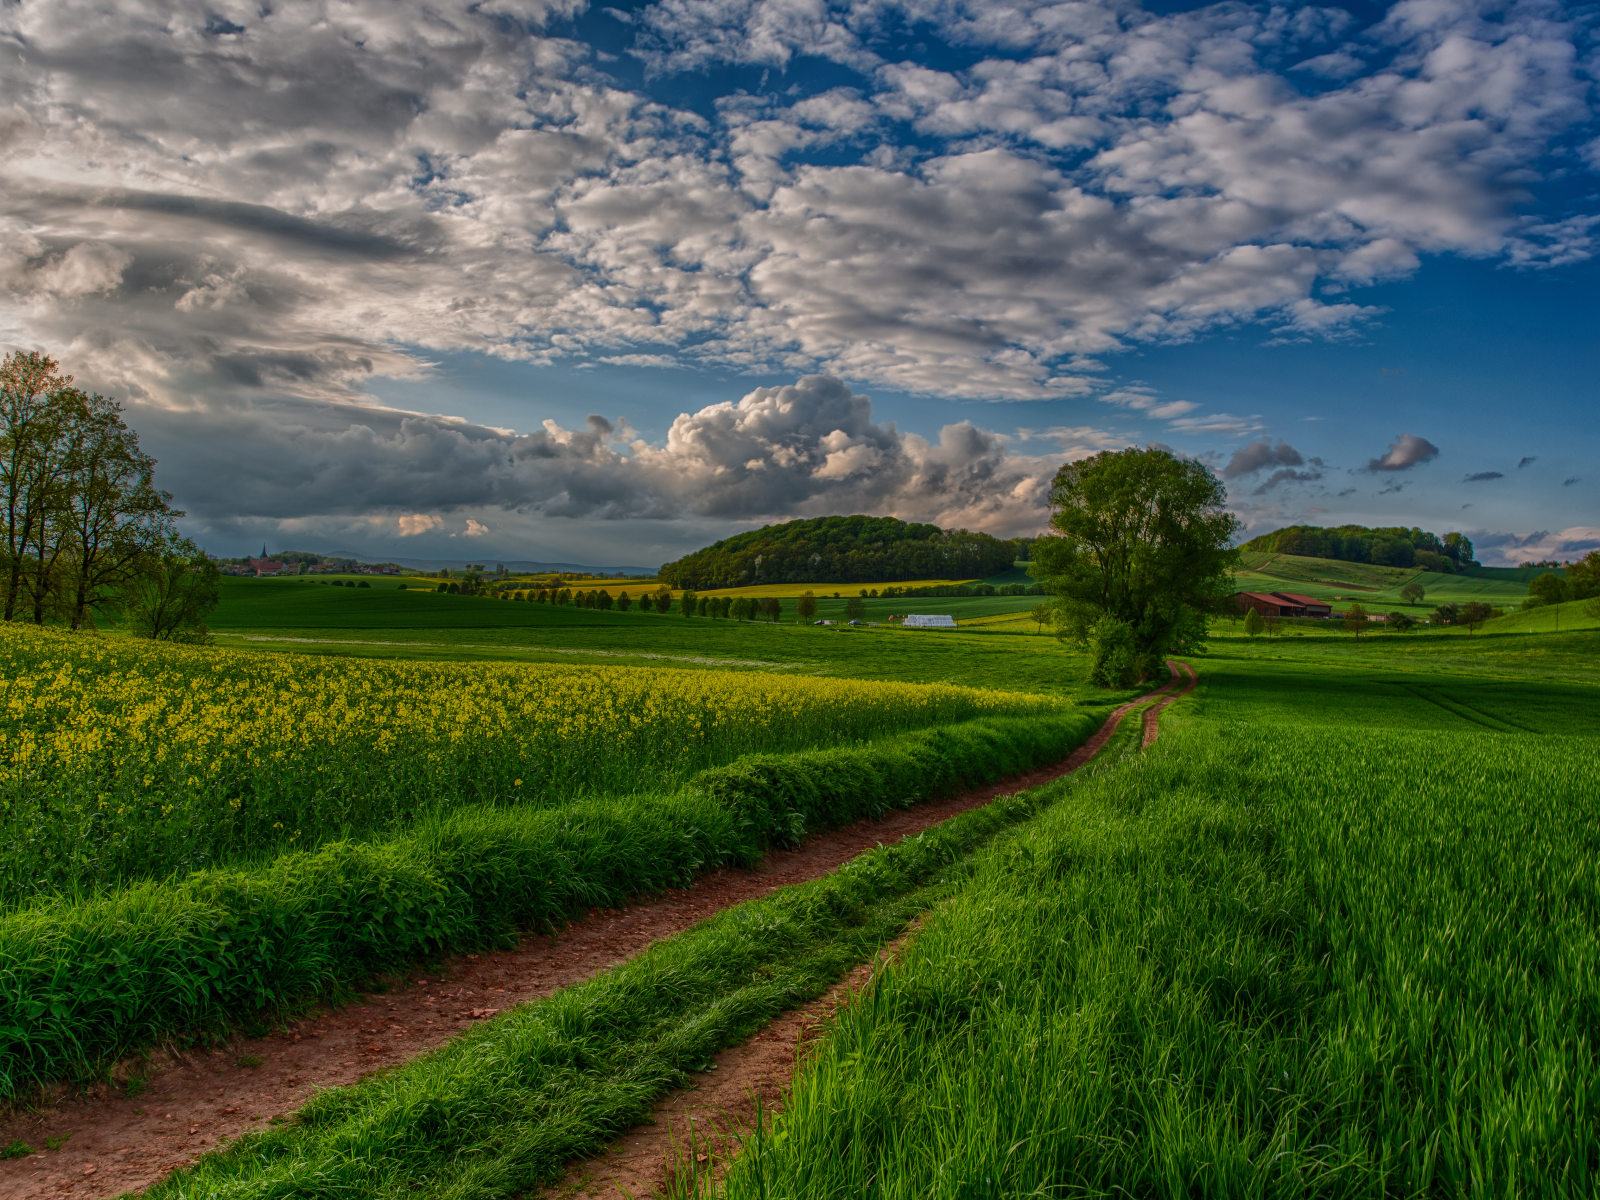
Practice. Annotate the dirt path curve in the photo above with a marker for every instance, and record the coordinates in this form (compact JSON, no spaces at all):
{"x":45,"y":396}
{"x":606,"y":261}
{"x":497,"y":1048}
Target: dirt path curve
{"x":1152,"y":715}
{"x":123,"y":1138}
{"x":693,"y":1126}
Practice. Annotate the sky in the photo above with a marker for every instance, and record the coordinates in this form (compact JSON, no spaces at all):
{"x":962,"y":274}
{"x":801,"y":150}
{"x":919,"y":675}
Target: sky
{"x":545,"y":280}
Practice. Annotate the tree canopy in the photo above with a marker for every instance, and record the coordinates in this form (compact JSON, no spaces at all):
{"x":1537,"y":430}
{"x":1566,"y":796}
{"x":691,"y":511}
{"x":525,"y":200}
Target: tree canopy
{"x":1139,"y":557}
{"x":856,"y":549}
{"x":84,"y":528}
{"x":1389,"y":546}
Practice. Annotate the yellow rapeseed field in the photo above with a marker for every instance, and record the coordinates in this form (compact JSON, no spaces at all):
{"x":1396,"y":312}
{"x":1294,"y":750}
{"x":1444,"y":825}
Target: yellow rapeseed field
{"x":119,"y":756}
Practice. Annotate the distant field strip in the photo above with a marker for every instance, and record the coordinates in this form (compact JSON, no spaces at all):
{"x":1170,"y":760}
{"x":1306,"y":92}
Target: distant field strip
{"x":1258,"y":961}
{"x":709,"y":662}
{"x":123,"y":760}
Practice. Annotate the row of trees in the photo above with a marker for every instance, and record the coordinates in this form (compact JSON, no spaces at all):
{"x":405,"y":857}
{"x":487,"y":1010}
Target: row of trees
{"x":86,"y":531}
{"x":1389,"y":546}
{"x":855,"y":549}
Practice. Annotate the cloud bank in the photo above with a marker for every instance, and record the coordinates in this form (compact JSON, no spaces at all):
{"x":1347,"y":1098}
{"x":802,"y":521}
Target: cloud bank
{"x":207,"y":198}
{"x":803,"y":449}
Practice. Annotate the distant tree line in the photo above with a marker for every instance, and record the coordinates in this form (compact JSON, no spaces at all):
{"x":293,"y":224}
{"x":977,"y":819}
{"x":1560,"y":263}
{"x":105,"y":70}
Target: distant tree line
{"x":86,"y":531}
{"x":1393,"y":546}
{"x":857,"y":549}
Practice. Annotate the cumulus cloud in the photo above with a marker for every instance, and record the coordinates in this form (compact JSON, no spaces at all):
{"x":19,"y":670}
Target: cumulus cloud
{"x":804,"y":449}
{"x":1256,"y":456}
{"x":1405,"y":452}
{"x":415,"y":524}
{"x":1483,"y":476}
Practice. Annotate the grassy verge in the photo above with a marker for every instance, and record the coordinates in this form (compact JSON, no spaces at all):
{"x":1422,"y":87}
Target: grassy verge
{"x":1259,"y":960}
{"x":500,"y":1110}
{"x":89,"y":980}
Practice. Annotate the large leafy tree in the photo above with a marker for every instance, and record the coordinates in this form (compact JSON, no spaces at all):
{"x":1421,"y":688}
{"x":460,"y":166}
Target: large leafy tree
{"x":1139,"y":557}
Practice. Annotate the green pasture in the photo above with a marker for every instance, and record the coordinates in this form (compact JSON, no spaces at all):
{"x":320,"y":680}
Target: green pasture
{"x":295,"y":617}
{"x":1335,"y":935}
{"x":1326,"y":578}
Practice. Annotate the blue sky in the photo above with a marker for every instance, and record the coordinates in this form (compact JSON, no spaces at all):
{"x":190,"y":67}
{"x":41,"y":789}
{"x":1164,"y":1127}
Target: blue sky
{"x":520,"y":279}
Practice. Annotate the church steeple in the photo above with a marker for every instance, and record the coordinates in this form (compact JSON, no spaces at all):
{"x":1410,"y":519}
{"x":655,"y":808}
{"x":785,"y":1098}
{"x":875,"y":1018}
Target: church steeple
{"x":263,"y":549}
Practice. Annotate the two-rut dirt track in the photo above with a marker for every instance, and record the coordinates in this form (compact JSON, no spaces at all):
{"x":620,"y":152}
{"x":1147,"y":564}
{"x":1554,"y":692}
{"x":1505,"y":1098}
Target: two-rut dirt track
{"x":120,"y":1139}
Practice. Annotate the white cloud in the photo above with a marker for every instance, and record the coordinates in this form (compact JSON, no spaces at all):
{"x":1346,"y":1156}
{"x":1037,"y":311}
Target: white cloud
{"x":475,"y":528}
{"x":1405,"y":452}
{"x":413,"y":524}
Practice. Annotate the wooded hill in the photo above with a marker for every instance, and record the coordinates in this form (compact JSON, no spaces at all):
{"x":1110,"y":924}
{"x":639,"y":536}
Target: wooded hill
{"x":1391,"y":546}
{"x":855,"y":549}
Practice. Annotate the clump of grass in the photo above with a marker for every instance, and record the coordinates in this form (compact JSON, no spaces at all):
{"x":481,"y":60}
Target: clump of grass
{"x":248,"y":1060}
{"x":18,"y":1149}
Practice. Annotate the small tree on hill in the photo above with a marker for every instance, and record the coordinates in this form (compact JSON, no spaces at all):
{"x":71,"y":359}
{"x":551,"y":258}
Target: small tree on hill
{"x":1413,"y":593}
{"x":1355,"y":620}
{"x":1040,"y":615}
{"x":1445,"y":614}
{"x":772,"y":609}
{"x":807,"y":607}
{"x":855,"y":608}
{"x":1400,"y":622}
{"x":624,"y":602}
{"x":603,"y":600}
{"x":1474,"y":613}
{"x":687,"y":604}
{"x":663,"y":600}
{"x":1253,"y":624}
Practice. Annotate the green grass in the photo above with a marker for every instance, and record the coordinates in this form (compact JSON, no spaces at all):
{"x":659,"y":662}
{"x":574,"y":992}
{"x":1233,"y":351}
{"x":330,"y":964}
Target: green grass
{"x":1500,"y":648}
{"x":1326,"y":578}
{"x":1330,"y":956}
{"x":300,"y":618}
{"x":303,"y":603}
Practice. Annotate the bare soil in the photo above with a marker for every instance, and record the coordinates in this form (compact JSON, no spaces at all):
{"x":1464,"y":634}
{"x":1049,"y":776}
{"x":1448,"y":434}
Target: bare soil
{"x":125,"y":1136}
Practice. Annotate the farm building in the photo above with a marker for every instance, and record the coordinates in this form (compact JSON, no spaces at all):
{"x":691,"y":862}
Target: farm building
{"x":1282,"y":604}
{"x":922,"y":621}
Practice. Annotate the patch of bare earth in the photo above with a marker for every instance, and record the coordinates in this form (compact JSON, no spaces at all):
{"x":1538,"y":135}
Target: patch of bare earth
{"x":117,"y":1138}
